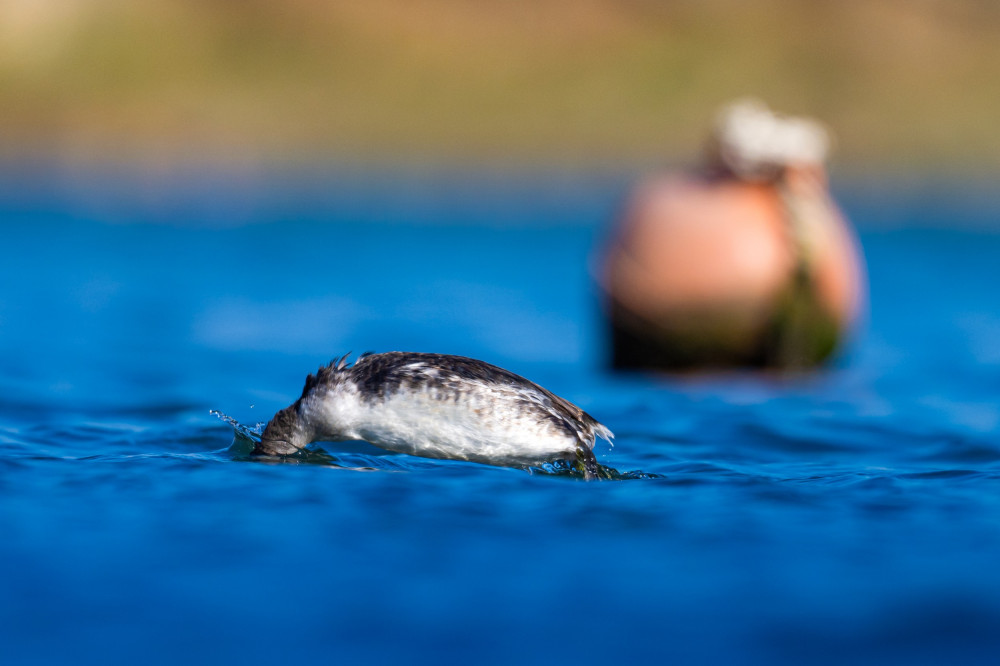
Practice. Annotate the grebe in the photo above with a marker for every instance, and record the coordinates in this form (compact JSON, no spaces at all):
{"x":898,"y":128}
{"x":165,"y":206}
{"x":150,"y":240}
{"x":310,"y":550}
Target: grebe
{"x":436,"y":406}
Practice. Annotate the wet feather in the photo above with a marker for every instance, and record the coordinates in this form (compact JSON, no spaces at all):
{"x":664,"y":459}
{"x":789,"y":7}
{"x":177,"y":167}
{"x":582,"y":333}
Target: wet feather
{"x":437,"y":406}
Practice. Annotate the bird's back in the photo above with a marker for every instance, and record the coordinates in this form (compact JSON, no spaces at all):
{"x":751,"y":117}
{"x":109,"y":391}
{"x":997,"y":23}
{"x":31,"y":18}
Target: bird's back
{"x":444,"y":406}
{"x":436,"y":406}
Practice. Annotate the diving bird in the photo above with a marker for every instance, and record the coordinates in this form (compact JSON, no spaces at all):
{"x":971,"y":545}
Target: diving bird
{"x":436,"y":406}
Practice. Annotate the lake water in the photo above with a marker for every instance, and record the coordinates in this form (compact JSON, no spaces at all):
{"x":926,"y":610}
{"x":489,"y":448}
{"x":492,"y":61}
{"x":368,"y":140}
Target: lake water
{"x":849,"y":515}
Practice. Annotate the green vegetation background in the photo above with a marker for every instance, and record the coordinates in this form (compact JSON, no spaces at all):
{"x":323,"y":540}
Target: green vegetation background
{"x":905,"y":84}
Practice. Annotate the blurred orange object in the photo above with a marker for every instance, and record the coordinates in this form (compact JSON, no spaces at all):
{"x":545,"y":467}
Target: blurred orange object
{"x":748,"y":263}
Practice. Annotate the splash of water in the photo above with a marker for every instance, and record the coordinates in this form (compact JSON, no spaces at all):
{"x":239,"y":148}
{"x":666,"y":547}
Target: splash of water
{"x":245,"y":437}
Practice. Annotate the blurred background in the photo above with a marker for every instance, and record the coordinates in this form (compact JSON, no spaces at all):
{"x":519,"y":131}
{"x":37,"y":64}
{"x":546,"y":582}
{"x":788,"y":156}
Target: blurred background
{"x":203,"y":200}
{"x":909,"y":85}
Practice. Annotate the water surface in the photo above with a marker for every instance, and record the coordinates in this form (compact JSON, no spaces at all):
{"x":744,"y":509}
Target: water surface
{"x":848,"y":515}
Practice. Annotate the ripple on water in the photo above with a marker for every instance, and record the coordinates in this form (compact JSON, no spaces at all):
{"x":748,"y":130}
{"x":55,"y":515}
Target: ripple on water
{"x":341,"y":455}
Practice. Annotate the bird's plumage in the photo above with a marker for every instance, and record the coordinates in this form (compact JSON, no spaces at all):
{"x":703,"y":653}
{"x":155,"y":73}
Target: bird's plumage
{"x":437,"y":406}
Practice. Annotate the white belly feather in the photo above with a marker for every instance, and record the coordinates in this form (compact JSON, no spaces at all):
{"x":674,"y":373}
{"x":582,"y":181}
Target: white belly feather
{"x":484,"y":425}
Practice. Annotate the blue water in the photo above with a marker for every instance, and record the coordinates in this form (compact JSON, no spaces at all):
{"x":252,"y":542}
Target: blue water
{"x":850,"y":515}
